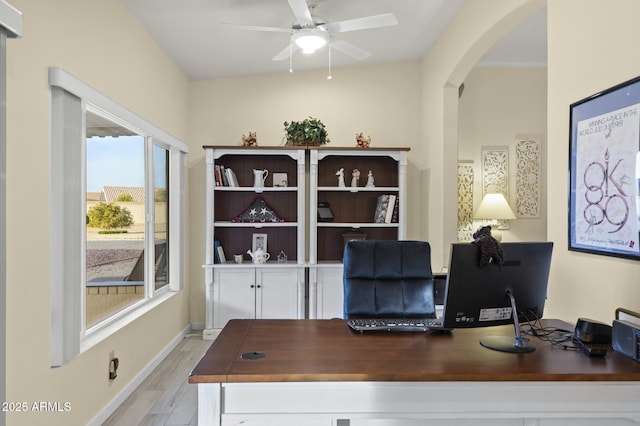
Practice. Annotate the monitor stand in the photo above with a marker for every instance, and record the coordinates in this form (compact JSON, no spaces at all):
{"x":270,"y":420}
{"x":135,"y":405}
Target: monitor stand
{"x":515,"y":344}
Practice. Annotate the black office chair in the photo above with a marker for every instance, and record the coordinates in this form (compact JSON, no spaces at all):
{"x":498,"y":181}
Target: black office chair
{"x":388,"y":279}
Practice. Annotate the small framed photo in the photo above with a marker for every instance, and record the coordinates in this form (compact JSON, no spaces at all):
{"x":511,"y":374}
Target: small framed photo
{"x":280,"y":179}
{"x":259,"y":241}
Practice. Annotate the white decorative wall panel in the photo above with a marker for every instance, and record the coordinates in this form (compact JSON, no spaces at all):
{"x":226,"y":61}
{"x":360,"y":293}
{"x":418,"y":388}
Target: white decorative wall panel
{"x":465,"y":201}
{"x":495,"y":174}
{"x":527,"y":178}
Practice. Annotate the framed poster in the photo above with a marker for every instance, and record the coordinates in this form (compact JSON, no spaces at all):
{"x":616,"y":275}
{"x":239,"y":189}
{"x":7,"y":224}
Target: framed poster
{"x":604,"y":170}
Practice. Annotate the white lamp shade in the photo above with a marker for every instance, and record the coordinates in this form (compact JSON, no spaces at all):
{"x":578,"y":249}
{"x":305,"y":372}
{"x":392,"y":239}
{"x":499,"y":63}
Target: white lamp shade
{"x":310,"y":40}
{"x":494,"y":206}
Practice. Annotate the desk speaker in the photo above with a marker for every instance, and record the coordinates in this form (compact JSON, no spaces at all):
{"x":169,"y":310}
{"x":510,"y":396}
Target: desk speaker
{"x":625,"y":338}
{"x":593,"y":332}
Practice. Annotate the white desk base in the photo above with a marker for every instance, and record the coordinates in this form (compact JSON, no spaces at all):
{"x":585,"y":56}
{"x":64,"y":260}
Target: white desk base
{"x":419,"y":403}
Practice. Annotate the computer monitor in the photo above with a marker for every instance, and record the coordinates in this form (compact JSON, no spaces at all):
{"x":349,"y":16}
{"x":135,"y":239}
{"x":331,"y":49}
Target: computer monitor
{"x":484,"y":296}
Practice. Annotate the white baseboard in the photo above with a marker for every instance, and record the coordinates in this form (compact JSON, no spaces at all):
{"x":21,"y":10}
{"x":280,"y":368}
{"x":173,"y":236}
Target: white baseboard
{"x":113,"y":405}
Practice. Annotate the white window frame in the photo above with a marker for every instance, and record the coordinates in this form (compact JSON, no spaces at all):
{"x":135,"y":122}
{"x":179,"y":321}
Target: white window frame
{"x":70,"y":99}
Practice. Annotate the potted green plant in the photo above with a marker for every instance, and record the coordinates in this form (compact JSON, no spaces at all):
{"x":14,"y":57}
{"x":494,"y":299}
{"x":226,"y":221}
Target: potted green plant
{"x":310,"y":131}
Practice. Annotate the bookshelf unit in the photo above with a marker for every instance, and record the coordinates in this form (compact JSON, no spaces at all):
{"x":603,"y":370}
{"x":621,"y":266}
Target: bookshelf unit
{"x":353,"y":210}
{"x":249,"y":290}
{"x":313,"y":248}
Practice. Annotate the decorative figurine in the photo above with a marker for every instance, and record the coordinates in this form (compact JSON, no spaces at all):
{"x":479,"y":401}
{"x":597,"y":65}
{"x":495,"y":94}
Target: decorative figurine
{"x":282,"y":257}
{"x":362,"y":141}
{"x":370,"y":183}
{"x":355,"y":177}
{"x":250,"y":140}
{"x":340,"y":174}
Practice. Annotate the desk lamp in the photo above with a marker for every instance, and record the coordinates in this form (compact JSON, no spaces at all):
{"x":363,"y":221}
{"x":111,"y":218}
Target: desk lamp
{"x":493,"y":208}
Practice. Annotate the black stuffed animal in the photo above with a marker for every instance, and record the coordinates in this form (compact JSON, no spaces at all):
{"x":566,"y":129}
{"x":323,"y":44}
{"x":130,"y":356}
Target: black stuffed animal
{"x":490,"y":249}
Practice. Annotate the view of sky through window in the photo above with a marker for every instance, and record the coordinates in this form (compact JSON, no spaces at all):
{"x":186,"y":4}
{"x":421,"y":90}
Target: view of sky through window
{"x":114,"y":162}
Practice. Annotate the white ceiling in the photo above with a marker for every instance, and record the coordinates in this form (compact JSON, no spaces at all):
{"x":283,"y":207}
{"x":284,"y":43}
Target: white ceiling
{"x":189,"y":31}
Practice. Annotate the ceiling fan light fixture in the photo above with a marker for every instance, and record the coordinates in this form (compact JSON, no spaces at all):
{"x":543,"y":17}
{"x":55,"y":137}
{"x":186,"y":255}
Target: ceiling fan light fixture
{"x":310,"y":39}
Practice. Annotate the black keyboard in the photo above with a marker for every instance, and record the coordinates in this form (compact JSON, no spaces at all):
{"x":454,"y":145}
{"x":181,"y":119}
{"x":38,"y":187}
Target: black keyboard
{"x":400,"y":325}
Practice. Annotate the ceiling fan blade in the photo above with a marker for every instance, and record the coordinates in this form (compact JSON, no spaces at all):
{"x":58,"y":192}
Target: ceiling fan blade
{"x":286,"y":52}
{"x":377,"y":21}
{"x":301,"y":11}
{"x":254,"y":28}
{"x":349,"y":49}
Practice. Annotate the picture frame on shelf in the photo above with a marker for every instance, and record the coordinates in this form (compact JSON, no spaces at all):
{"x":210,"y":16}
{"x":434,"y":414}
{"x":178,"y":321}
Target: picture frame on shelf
{"x":604,"y":164}
{"x":280,"y":179}
{"x":324,"y":212}
{"x":259,"y":241}
{"x":352,"y":235}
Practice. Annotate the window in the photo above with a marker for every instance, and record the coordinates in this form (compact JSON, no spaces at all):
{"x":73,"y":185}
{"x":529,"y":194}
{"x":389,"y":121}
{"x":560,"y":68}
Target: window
{"x":115,"y":225}
{"x":116,"y":215}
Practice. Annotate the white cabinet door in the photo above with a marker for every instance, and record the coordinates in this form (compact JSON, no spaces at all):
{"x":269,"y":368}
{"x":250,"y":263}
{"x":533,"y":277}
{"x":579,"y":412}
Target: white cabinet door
{"x":328,"y":295}
{"x":277,"y":293}
{"x":264,"y":293}
{"x":234,"y":295}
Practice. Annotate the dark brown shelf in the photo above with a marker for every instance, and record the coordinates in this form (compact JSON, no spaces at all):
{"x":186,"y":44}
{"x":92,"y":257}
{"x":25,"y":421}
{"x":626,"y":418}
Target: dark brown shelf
{"x":383,"y":168}
{"x":237,"y":240}
{"x":243,"y":166}
{"x":331,"y":240}
{"x":354,"y":207}
{"x":347,"y":207}
{"x":230,"y":202}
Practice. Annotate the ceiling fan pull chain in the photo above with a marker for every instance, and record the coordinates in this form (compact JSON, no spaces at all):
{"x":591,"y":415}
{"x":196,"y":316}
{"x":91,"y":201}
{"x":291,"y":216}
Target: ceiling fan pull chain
{"x":329,"y":77}
{"x":291,"y":58}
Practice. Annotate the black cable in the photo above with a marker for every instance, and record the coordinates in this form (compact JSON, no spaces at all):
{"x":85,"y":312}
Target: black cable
{"x":558,"y":337}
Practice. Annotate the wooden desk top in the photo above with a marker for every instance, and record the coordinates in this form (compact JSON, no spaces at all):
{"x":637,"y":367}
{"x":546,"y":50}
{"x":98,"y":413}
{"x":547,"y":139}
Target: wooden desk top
{"x":327,"y":350}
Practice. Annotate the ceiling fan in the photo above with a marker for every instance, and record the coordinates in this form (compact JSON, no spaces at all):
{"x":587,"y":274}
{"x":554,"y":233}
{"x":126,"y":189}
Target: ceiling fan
{"x":309,"y":33}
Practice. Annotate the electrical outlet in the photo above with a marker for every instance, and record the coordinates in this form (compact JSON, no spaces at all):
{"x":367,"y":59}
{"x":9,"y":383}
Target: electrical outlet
{"x":113,"y":365}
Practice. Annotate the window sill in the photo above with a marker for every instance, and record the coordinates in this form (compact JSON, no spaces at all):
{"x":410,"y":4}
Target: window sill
{"x":102,"y":332}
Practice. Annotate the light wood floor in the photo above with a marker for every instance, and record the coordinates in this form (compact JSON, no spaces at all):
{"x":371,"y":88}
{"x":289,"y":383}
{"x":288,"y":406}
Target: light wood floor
{"x":165,"y":397}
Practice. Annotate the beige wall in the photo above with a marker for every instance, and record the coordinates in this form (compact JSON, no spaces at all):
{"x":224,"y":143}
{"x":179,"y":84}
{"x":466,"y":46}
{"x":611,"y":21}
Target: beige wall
{"x":499,"y":105}
{"x":379,"y":100}
{"x":103,"y":45}
{"x":478,"y":25}
{"x":587,"y":54}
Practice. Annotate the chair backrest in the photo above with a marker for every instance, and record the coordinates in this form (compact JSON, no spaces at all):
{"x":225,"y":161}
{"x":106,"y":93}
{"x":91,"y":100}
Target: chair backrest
{"x":388,"y":279}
